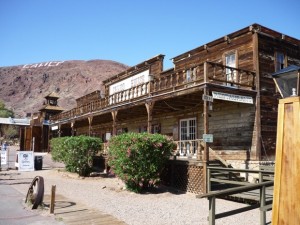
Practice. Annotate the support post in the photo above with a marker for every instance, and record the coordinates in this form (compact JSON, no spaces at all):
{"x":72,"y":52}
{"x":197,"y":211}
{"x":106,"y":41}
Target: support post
{"x":149,"y":107}
{"x":206,"y":150}
{"x":114,"y":116}
{"x":72,"y":128}
{"x":52,"y":203}
{"x":90,"y":118}
{"x":257,"y":152}
{"x":212,"y":210}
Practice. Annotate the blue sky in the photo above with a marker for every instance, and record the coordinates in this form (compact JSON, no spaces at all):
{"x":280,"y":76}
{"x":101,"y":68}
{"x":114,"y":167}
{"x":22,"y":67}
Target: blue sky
{"x":131,"y":31}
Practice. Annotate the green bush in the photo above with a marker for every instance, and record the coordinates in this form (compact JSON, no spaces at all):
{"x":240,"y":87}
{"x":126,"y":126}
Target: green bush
{"x":76,"y":152}
{"x":138,"y":158}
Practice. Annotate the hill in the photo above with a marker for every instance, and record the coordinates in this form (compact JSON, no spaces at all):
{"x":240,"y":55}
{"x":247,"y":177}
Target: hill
{"x":24,"y":87}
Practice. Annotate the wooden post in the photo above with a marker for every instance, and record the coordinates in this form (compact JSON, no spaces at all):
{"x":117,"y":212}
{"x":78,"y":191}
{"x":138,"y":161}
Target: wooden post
{"x":257,"y":151}
{"x":286,"y":202}
{"x":52,"y":202}
{"x":206,"y":150}
{"x":72,"y":128}
{"x":205,"y":131}
{"x":90,"y":118}
{"x":114,"y":116}
{"x":59,"y":130}
{"x":262,"y":200}
{"x":149,"y":107}
{"x":212,"y":210}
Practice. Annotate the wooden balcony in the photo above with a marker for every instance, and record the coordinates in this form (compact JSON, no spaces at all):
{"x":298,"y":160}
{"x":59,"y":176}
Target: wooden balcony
{"x":208,"y":73}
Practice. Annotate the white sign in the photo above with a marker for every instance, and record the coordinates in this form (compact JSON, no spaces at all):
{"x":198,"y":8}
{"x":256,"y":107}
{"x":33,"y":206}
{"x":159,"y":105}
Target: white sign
{"x":130,"y":82}
{"x":3,"y":157}
{"x":107,"y":136}
{"x":232,"y":97}
{"x":208,"y":138}
{"x":207,"y":98}
{"x":54,"y":128}
{"x":47,"y":64}
{"x":26,"y":160}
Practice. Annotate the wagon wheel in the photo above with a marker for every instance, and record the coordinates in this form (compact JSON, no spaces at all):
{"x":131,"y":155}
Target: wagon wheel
{"x":35,"y":193}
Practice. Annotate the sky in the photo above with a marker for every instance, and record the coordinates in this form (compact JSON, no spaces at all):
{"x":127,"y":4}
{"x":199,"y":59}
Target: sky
{"x":129,"y":31}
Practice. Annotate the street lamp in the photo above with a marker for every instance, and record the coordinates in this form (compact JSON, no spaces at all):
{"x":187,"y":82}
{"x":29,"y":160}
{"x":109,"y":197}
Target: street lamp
{"x":287,"y":81}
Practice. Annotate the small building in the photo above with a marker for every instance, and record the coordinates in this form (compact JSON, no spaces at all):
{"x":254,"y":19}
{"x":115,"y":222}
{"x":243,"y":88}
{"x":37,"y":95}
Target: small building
{"x":36,"y":136}
{"x":221,"y":91}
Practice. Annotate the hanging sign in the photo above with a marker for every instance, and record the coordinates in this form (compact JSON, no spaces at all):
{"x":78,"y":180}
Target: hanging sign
{"x":232,"y":97}
{"x":207,"y":98}
{"x":25,"y":160}
{"x":208,"y":138}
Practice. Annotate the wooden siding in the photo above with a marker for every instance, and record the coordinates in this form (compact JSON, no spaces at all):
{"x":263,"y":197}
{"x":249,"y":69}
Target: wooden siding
{"x":241,"y":44}
{"x":88,"y":98}
{"x":267,"y":46}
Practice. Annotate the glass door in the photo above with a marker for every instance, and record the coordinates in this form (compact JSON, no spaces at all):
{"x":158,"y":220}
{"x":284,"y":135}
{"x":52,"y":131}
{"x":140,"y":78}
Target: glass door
{"x":188,"y":129}
{"x":230,"y":73}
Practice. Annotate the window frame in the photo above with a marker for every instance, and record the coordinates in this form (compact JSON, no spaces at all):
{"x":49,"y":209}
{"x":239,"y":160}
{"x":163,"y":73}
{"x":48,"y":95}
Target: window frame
{"x":235,"y":72}
{"x":278,"y":65}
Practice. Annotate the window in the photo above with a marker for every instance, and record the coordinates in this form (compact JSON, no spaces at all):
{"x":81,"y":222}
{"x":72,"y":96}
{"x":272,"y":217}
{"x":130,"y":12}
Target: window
{"x":142,"y":129}
{"x":52,"y":102}
{"x":191,"y":74}
{"x":188,"y":129}
{"x":279,"y":61}
{"x":155,"y":129}
{"x":230,"y":60}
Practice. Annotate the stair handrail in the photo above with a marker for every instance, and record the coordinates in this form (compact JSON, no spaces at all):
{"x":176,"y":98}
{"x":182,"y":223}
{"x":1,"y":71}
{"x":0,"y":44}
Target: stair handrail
{"x":223,"y":161}
{"x":263,"y":205}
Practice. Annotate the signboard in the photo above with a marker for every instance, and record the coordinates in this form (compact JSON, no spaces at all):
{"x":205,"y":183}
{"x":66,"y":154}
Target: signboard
{"x":107,"y":136}
{"x":26,"y":161}
{"x":209,"y":138}
{"x":232,"y":97}
{"x":207,"y":98}
{"x":130,"y":82}
{"x":3,"y":157}
{"x":54,"y":128}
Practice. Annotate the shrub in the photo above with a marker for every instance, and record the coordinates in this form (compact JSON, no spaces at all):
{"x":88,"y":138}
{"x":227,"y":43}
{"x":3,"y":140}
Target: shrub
{"x":138,"y":158}
{"x":75,"y":152}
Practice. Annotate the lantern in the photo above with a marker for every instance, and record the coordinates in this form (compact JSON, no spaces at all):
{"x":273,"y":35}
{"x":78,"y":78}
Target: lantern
{"x":287,"y":81}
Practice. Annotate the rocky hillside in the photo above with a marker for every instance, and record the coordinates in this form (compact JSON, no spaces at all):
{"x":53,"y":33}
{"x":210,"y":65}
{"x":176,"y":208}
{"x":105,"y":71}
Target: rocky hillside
{"x":24,"y":87}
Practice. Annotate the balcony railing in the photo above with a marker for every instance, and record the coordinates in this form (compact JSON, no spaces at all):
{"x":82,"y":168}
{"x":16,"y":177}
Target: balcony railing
{"x":208,"y":72}
{"x":184,"y":149}
{"x":189,"y":148}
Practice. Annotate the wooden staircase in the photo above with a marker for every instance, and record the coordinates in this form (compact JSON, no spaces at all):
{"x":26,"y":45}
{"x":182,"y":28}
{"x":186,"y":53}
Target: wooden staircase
{"x":228,"y":178}
{"x":220,"y":180}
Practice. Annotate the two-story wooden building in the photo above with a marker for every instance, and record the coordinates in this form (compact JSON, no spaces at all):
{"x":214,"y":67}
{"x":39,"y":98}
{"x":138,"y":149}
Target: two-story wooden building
{"x":222,"y":90}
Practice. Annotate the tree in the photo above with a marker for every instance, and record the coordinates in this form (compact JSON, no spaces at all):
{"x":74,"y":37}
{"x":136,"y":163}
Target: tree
{"x":4,"y":112}
{"x":7,"y":131}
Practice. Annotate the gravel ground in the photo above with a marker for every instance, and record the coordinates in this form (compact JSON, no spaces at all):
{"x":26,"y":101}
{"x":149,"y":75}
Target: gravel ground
{"x":108,"y":195}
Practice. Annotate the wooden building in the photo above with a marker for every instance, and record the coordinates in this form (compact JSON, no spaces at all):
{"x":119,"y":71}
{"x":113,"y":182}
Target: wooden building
{"x":36,"y":136}
{"x":223,"y":88}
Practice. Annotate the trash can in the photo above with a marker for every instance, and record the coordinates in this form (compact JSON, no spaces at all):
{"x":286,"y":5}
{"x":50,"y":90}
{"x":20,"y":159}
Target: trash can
{"x":38,"y":162}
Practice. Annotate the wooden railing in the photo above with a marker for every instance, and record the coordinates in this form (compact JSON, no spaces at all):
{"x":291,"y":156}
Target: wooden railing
{"x":208,"y":72}
{"x":263,"y":204}
{"x":131,"y":93}
{"x":189,"y":148}
{"x":230,"y":76}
